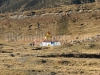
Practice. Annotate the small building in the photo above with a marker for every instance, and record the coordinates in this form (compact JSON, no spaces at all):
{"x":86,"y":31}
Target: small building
{"x":50,"y":43}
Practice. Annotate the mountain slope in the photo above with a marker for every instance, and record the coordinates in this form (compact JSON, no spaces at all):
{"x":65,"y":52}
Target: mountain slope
{"x":21,"y":5}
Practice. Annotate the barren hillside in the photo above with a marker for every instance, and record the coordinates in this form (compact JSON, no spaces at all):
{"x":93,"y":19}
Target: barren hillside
{"x":75,"y":26}
{"x":74,"y":20}
{"x":23,"y":5}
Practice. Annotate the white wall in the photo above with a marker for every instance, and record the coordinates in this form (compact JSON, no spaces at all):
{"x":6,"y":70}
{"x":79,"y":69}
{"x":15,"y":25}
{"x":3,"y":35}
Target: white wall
{"x":50,"y":43}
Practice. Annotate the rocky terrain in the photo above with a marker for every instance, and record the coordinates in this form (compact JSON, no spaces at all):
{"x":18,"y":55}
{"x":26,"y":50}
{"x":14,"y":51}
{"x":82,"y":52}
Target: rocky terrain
{"x":75,"y":26}
{"x":23,"y":5}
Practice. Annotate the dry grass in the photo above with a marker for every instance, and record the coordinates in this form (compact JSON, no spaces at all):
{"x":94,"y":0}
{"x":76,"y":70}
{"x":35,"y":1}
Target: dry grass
{"x":18,"y":58}
{"x":27,"y":62}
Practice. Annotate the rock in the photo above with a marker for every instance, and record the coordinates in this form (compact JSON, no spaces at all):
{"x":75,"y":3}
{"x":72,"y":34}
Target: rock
{"x":1,"y":44}
{"x":53,"y":73}
{"x":44,"y":61}
{"x":12,"y":55}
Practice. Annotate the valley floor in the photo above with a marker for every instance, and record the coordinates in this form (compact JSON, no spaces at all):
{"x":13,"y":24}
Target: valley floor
{"x":61,"y":60}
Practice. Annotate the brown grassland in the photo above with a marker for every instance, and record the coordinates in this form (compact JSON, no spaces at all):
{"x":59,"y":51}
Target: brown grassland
{"x":78,"y":54}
